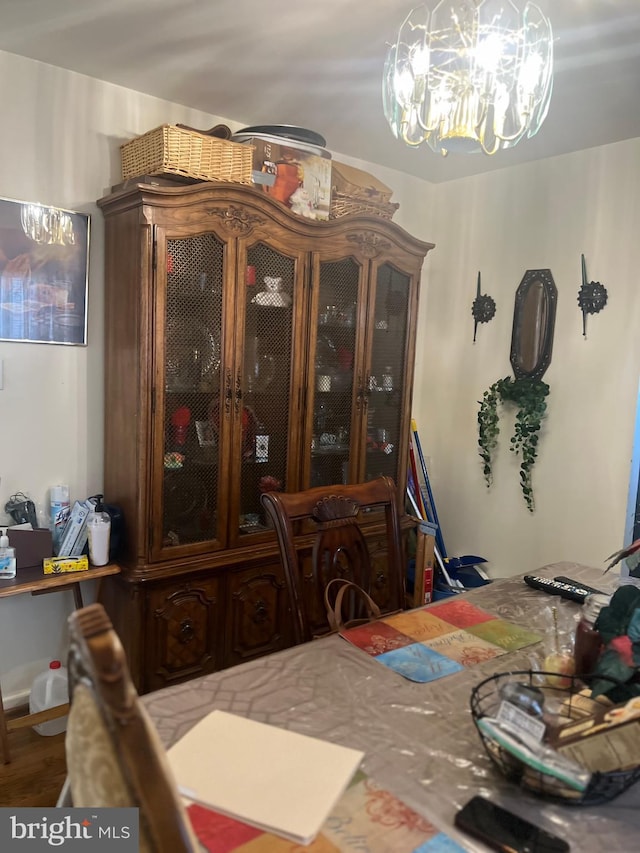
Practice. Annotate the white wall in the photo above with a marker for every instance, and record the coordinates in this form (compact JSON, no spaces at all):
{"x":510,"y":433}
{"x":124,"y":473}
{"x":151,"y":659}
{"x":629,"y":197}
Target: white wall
{"x":539,"y":216}
{"x":61,"y":133}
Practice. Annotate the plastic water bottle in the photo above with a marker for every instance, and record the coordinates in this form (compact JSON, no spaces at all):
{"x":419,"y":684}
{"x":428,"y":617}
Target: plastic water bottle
{"x":50,"y":688}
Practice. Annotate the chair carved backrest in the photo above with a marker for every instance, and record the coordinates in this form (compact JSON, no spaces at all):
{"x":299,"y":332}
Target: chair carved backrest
{"x":340,"y":549}
{"x":114,"y":755}
{"x":333,"y":516}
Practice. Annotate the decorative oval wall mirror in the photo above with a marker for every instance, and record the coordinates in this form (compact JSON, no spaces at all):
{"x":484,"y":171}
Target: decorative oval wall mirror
{"x":534,"y":317}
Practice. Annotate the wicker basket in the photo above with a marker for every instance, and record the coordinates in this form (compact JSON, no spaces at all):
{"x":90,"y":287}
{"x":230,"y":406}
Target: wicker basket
{"x":176,"y":151}
{"x":356,"y":191}
{"x":356,"y":182}
{"x":485,"y":700}
{"x":342,"y":204}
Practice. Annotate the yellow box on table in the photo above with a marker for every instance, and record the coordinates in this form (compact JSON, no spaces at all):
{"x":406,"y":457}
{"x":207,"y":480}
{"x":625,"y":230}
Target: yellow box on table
{"x":61,"y":565}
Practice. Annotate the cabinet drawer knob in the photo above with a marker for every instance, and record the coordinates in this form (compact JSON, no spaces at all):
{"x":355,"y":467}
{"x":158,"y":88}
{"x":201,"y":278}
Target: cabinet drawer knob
{"x":187,"y":631}
{"x":260,"y":612}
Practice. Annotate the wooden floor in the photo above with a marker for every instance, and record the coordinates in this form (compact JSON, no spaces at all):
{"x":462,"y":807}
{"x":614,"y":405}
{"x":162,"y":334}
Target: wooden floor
{"x":36,"y":772}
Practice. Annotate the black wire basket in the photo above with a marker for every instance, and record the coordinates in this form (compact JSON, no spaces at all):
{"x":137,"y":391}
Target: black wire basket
{"x":486,"y":698}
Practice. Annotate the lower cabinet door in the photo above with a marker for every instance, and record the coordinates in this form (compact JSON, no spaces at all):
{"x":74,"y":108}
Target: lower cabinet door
{"x":182,"y":631}
{"x":258,"y":614}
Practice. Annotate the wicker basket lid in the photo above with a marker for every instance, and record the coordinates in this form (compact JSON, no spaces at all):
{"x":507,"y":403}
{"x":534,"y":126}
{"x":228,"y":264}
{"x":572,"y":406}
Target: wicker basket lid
{"x":358,"y":183}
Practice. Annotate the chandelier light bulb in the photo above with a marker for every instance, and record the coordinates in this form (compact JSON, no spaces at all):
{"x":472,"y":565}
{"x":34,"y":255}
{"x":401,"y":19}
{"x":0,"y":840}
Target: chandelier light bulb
{"x":404,"y":87}
{"x":420,"y":59}
{"x":469,"y":76}
{"x":489,"y":52}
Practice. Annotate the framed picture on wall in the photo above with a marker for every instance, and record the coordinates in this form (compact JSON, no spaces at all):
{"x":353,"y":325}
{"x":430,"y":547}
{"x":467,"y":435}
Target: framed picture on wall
{"x":44,"y":265}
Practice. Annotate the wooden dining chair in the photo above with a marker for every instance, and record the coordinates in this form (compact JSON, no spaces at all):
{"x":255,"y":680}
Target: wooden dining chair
{"x":320,"y":536}
{"x":114,"y":755}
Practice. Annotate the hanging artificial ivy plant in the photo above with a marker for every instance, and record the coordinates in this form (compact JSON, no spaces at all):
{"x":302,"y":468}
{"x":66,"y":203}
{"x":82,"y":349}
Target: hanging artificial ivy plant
{"x":529,"y":396}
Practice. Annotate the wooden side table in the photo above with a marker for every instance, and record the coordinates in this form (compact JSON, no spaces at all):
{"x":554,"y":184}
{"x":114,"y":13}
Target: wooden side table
{"x":32,"y":580}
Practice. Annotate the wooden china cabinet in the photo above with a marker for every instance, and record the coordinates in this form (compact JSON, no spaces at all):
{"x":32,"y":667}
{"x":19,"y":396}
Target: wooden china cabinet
{"x":220,"y":384}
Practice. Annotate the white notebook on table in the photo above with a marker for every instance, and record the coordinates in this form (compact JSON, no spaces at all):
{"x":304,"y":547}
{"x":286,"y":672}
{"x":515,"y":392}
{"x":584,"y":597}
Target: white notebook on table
{"x":277,"y":780}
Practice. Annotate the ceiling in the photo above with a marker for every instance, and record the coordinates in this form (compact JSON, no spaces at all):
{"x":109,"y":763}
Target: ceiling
{"x":318,"y":65}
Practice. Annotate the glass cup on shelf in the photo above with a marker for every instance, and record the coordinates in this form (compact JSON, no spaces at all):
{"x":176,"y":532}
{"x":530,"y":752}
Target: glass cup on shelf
{"x":260,"y":373}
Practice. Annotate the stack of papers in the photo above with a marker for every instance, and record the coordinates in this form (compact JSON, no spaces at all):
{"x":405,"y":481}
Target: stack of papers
{"x":271,"y":778}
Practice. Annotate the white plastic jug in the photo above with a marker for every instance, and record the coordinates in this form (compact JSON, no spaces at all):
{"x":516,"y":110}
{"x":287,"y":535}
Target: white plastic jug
{"x":49,"y":689}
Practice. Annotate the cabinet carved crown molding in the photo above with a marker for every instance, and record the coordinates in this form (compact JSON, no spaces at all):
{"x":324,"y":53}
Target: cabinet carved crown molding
{"x":370,"y":244}
{"x":236,"y":219}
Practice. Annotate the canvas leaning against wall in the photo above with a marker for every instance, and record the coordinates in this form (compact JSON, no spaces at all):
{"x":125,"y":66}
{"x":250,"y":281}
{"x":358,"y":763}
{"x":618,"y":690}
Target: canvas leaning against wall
{"x":44,"y":254}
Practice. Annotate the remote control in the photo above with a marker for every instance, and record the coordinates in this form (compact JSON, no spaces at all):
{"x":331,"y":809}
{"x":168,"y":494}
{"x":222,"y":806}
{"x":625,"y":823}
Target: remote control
{"x":572,"y":591}
{"x":590,"y":589}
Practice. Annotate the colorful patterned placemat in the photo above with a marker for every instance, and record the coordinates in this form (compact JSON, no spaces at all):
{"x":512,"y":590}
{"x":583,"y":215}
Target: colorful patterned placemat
{"x":366,"y":818}
{"x":426,"y":644}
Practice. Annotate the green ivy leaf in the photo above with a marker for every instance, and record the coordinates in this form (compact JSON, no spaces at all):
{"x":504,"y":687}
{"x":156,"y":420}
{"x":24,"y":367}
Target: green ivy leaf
{"x":529,"y":396}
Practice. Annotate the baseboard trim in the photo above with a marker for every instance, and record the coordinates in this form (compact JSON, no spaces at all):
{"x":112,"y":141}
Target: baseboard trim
{"x":16,"y":702}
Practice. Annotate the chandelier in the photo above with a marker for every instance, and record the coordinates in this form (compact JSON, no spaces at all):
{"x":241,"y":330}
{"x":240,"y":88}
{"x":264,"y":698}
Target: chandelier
{"x":48,"y":225}
{"x":469,"y":76}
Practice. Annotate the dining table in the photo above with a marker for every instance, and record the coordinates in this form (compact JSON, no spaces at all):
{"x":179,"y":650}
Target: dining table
{"x":419,"y":739}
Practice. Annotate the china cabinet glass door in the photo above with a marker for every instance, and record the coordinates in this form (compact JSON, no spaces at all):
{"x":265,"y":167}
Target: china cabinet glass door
{"x":386,"y":379}
{"x":188,"y":379}
{"x":269,"y":297}
{"x":226,"y":382}
{"x":334,"y":373}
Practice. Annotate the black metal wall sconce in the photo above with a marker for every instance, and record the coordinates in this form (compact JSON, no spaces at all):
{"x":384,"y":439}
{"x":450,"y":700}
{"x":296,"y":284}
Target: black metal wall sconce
{"x":483,"y":309}
{"x":592,"y":297}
